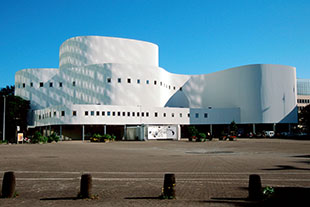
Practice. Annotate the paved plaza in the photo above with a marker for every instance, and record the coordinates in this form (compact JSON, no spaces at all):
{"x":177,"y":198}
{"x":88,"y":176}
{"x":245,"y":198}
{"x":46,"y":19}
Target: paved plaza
{"x":213,"y":173}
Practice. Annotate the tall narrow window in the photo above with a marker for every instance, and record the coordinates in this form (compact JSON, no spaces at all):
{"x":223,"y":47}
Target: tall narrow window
{"x":119,"y":80}
{"x":128,"y":80}
{"x":156,"y":114}
{"x":109,"y":80}
{"x":138,"y":81}
{"x":155,"y":82}
{"x":73,"y":83}
{"x":102,"y":113}
{"x":73,"y":113}
{"x":206,"y":115}
{"x":86,"y":113}
{"x":147,"y":81}
{"x":60,"y":84}
{"x":164,"y":114}
{"x":31,"y":84}
{"x":92,"y":113}
{"x":41,"y":84}
{"x":24,"y":85}
{"x":97,"y":113}
{"x":197,"y":115}
{"x":62,"y":113}
{"x":51,"y":84}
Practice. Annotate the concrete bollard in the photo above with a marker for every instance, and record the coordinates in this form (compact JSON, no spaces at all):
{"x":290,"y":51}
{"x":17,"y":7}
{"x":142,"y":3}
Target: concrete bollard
{"x":255,"y":187}
{"x":8,"y":185}
{"x":169,"y":186}
{"x":86,"y":186}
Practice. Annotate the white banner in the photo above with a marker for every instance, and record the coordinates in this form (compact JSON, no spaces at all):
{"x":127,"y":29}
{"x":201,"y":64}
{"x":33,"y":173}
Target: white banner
{"x":162,"y":132}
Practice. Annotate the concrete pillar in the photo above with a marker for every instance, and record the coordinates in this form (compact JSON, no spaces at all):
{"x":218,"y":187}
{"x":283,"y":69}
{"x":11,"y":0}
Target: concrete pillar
{"x":60,"y":132}
{"x":254,"y":131}
{"x":179,"y":132}
{"x":83,"y":133}
{"x":274,"y":127}
{"x":211,"y":129}
{"x":49,"y":130}
{"x":125,"y":132}
{"x":104,"y":129}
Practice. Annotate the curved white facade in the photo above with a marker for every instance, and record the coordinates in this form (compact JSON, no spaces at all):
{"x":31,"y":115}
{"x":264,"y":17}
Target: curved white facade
{"x":98,"y":75}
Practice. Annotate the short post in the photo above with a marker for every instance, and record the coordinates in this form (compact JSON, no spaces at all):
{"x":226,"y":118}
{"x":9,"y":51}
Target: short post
{"x":169,"y":186}
{"x":255,"y":187}
{"x":8,"y":185}
{"x":86,"y":185}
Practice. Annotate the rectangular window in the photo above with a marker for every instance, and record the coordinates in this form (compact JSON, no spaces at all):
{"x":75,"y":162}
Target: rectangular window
{"x":147,"y":114}
{"x":86,"y":113}
{"x":118,"y":113}
{"x":128,"y":113}
{"x":41,"y":84}
{"x":155,"y":82}
{"x":142,"y":114}
{"x":128,"y":80}
{"x":173,"y":87}
{"x":180,"y":115}
{"x":188,"y":115}
{"x":24,"y":85}
{"x":109,"y":80}
{"x":113,"y":113}
{"x":197,"y":115}
{"x":147,"y":81}
{"x":172,"y":114}
{"x":181,"y":89}
{"x":102,"y":113}
{"x":119,"y":80}
{"x":62,"y":113}
{"x":60,"y":84}
{"x":73,"y":113}
{"x":138,"y":81}
{"x":164,"y":114}
{"x":73,"y":83}
{"x":109,"y":113}
{"x":39,"y":117}
{"x":138,"y":114}
{"x":169,"y":87}
{"x":155,"y":114}
{"x":50,"y":114}
{"x":92,"y":113}
{"x":161,"y":83}
{"x":133,"y":113}
{"x":98,"y":113}
{"x":31,"y":84}
{"x":124,"y":113}
{"x":55,"y":113}
{"x":51,"y":84}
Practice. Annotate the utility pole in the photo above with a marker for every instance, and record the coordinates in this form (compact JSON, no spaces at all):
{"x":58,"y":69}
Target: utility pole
{"x":3,"y":131}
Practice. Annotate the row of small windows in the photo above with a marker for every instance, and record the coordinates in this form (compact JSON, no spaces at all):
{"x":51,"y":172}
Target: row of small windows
{"x":303,"y":100}
{"x":109,"y":80}
{"x":117,"y":113}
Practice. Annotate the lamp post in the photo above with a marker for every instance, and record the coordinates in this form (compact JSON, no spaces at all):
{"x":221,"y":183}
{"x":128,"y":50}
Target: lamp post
{"x":3,"y":131}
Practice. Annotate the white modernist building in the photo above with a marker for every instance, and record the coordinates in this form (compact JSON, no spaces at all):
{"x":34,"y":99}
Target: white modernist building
{"x":105,"y":81}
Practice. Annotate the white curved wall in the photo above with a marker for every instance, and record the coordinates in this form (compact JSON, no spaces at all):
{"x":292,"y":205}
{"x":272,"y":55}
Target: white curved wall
{"x":264,"y":93}
{"x":87,"y":50}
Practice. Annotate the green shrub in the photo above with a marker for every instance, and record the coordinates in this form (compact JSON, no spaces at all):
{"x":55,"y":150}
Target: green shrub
{"x":53,"y":137}
{"x":39,"y":138}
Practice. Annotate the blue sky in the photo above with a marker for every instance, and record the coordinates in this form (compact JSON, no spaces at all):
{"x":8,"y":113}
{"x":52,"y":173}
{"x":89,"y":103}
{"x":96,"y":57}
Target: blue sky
{"x":194,"y":36}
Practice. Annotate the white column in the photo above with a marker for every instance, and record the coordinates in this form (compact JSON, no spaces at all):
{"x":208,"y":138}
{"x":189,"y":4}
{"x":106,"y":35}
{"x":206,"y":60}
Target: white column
{"x":83,"y":133}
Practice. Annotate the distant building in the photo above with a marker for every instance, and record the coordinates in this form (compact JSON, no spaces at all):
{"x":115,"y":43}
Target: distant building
{"x":115,"y":85}
{"x":303,"y":97}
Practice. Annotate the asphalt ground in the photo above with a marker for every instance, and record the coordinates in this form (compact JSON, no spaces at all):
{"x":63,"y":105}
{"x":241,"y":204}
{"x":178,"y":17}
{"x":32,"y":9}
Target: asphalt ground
{"x":212,"y":173}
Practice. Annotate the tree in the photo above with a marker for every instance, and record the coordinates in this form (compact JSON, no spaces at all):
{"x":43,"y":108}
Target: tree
{"x":305,"y":118}
{"x":15,"y":114}
{"x":233,"y":127}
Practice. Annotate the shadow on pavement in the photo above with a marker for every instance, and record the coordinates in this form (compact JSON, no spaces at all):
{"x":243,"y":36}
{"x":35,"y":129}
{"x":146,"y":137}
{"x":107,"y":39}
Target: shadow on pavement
{"x":286,"y":167}
{"x":59,"y":199}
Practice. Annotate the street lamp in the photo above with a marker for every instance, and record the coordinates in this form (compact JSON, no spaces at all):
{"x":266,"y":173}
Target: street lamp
{"x":3,"y":131}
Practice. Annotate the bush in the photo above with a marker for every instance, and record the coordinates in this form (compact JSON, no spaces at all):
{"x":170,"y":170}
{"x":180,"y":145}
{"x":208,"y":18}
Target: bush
{"x":53,"y":137}
{"x":39,"y":138}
